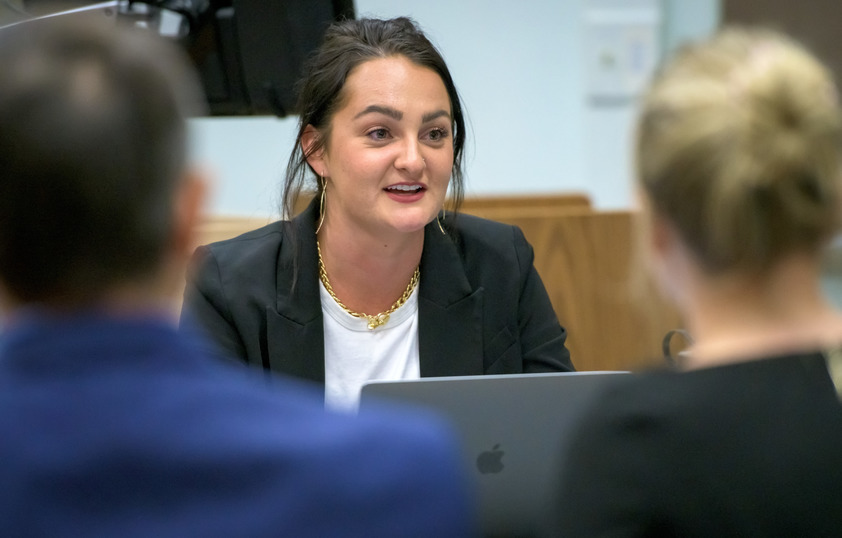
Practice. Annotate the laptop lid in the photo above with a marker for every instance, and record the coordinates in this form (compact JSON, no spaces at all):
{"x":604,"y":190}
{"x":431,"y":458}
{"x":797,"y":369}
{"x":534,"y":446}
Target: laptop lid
{"x":514,"y":429}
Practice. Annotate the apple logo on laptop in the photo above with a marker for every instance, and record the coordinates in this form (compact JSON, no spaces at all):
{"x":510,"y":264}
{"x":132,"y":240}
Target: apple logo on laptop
{"x":490,"y":461}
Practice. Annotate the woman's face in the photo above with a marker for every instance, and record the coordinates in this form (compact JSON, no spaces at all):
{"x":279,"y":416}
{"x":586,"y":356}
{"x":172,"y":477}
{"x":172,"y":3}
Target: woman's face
{"x":389,"y":155}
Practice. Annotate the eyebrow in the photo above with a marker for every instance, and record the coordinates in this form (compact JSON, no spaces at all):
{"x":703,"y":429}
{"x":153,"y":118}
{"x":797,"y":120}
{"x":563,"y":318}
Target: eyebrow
{"x":385,"y":110}
{"x":430,"y":116}
{"x":398,"y":115}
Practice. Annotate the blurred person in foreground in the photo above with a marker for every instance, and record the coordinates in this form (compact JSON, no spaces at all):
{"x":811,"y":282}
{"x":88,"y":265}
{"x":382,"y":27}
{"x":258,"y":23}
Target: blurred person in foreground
{"x":738,"y":164}
{"x":111,"y":422}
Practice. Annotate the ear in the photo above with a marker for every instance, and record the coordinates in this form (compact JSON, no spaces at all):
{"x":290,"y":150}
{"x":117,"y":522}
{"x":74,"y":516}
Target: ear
{"x":316,"y":159}
{"x":669,"y":261}
{"x":661,"y":235}
{"x":189,"y":210}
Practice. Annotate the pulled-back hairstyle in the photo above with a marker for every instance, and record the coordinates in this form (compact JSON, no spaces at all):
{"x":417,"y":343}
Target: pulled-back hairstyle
{"x":739,"y":146}
{"x":92,"y":144}
{"x":346,"y":45}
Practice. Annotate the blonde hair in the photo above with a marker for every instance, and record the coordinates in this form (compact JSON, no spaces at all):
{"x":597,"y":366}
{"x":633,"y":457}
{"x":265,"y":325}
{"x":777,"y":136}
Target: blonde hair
{"x":738,"y":146}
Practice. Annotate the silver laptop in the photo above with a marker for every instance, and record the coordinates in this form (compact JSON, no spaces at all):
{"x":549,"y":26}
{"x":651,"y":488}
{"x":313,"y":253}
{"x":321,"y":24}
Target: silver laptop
{"x":514,"y":429}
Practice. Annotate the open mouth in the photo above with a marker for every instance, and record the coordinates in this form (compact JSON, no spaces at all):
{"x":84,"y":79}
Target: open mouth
{"x":405,"y":189}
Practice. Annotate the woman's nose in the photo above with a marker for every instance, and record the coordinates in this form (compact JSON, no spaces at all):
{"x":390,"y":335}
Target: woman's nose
{"x":411,"y":159}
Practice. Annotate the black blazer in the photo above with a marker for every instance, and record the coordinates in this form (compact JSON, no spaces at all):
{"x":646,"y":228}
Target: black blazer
{"x":482,"y":308}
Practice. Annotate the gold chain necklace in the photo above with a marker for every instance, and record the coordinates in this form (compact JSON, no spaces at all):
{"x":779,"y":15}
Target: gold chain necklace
{"x":378,"y":319}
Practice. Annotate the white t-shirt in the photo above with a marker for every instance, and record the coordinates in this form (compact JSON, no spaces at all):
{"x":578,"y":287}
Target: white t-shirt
{"x":355,"y":354}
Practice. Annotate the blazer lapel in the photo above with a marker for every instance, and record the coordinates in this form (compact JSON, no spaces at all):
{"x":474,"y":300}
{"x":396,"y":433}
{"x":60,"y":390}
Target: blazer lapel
{"x":295,"y":332}
{"x":449,"y":311}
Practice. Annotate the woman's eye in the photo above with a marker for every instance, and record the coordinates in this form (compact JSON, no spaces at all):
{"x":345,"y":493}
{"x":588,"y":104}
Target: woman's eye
{"x":436,"y":135}
{"x":378,"y":134}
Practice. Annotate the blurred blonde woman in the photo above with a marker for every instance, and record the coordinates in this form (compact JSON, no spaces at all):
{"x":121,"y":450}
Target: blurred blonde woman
{"x":738,"y":164}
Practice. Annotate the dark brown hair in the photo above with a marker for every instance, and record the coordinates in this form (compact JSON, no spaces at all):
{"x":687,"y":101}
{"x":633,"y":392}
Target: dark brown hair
{"x":92,"y":145}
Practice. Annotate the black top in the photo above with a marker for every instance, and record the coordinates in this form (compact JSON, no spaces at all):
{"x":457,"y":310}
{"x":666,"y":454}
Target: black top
{"x":747,"y":449}
{"x":482,"y":308}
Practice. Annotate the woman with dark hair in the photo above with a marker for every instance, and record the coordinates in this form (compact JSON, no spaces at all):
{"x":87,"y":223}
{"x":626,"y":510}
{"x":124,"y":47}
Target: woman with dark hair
{"x":374,"y":280}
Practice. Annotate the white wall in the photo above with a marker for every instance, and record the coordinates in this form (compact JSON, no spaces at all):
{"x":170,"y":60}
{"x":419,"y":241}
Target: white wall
{"x":521,"y":70}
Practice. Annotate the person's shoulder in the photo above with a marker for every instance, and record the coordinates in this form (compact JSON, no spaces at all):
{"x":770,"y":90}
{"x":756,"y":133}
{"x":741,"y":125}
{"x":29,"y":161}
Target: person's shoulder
{"x":405,"y":458}
{"x":392,"y":429}
{"x":415,"y":456}
{"x":661,"y":397}
{"x":646,"y":397}
{"x":301,"y":404}
{"x":477,"y":236}
{"x":410,"y":428}
{"x":475,"y":228}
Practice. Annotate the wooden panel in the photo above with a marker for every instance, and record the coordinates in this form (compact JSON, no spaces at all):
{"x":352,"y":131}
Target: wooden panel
{"x":477,"y":205}
{"x":599,"y":290}
{"x":489,"y":206}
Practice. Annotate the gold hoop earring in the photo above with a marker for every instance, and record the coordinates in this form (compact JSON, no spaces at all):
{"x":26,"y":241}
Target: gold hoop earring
{"x":439,"y":223}
{"x":322,"y":205}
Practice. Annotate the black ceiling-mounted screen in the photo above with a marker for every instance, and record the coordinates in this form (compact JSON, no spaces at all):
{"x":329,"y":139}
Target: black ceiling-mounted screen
{"x":250,"y":53}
